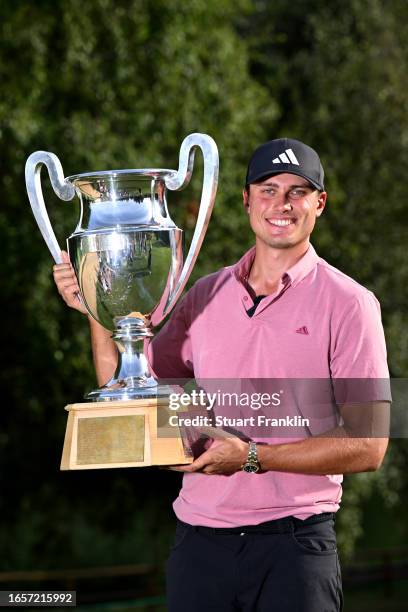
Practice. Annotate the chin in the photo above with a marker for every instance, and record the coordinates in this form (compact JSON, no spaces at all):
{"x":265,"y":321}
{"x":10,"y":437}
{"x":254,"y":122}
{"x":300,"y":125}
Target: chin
{"x":281,"y":244}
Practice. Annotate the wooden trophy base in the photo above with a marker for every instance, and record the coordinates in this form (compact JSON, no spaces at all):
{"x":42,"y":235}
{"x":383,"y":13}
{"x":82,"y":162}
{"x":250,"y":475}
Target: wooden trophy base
{"x":122,"y":434}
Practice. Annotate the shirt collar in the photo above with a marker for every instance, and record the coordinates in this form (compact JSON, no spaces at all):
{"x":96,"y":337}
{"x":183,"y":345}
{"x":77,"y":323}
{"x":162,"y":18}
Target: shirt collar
{"x":242,"y":268}
{"x":294,"y":275}
{"x":301,"y":269}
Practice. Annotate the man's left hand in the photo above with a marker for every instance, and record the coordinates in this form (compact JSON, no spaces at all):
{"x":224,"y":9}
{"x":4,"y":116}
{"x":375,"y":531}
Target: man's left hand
{"x":225,"y":456}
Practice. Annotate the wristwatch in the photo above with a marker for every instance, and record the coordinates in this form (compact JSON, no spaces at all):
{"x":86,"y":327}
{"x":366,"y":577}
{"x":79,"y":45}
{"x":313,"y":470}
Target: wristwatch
{"x":251,"y":465}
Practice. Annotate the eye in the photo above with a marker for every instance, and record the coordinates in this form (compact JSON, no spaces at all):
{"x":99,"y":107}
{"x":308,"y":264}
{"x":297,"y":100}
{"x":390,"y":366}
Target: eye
{"x":298,"y":193}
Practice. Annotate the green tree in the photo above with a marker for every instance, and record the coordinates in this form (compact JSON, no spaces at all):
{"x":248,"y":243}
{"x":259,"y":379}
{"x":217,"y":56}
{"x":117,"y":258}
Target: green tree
{"x":103,"y":84}
{"x":336,"y":70}
{"x":110,"y":84}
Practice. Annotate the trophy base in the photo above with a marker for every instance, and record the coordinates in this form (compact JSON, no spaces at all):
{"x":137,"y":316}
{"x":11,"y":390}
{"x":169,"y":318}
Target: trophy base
{"x":102,"y":435}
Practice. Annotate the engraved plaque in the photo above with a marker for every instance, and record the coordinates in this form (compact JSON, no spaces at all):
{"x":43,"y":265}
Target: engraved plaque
{"x":117,"y":439}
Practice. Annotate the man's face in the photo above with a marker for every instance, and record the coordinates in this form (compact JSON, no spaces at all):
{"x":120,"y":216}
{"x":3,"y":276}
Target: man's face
{"x":283,"y":209}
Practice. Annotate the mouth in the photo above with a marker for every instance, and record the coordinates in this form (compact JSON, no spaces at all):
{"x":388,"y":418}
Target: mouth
{"x":276,"y":222}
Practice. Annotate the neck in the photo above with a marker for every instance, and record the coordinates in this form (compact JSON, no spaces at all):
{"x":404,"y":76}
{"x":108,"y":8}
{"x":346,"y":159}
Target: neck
{"x":270,"y":264}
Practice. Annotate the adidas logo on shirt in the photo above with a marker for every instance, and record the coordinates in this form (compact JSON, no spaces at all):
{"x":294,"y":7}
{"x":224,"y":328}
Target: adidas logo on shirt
{"x":288,"y":157}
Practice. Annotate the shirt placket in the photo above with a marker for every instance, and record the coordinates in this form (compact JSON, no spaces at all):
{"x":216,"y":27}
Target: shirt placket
{"x":274,"y":297}
{"x":267,"y":301}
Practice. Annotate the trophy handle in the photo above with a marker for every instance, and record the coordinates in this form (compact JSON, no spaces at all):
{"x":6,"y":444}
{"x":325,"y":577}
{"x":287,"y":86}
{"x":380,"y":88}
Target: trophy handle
{"x":63,"y":188}
{"x":178,"y":181}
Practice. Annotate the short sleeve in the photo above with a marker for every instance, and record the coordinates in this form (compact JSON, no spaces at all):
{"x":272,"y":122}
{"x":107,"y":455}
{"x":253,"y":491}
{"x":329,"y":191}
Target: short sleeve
{"x":358,"y":360}
{"x":169,"y":352}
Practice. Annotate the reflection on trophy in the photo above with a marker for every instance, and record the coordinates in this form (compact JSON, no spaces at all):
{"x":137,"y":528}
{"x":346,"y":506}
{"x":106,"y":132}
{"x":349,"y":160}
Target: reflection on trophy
{"x":128,"y":257}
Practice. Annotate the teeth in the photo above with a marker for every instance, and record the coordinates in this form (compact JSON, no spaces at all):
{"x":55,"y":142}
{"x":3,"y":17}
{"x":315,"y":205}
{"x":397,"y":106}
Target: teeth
{"x":280,"y":222}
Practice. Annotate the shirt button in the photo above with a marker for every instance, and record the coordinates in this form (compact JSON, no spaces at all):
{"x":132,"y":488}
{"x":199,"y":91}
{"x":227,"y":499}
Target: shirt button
{"x":245,"y":298}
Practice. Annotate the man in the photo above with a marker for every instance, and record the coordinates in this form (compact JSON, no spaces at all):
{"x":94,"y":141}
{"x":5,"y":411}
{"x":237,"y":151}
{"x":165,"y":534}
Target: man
{"x":256,"y":521}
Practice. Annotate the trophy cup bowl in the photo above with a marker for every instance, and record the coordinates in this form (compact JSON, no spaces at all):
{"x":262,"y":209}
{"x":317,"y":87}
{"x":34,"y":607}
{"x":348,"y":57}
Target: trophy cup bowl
{"x":128,"y":259}
{"x":127,"y":254}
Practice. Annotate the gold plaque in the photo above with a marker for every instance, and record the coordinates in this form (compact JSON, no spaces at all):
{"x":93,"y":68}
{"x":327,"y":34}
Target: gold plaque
{"x":114,"y":439}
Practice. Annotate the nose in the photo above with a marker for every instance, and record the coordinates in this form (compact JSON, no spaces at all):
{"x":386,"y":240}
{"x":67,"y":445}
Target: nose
{"x":282,"y":202}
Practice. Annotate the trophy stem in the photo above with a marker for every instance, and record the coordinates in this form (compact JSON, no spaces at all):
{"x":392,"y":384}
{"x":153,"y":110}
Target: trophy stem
{"x":132,"y":378}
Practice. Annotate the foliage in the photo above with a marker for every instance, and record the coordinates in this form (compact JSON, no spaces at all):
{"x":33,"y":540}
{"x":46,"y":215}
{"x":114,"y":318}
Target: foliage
{"x":336,"y":71}
{"x":102,"y":84}
{"x":338,"y":68}
{"x":109,"y":83}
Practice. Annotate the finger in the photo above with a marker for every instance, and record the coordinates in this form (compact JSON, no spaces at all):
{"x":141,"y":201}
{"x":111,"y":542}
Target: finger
{"x":199,"y":463}
{"x":65,"y":278}
{"x":60,"y":274}
{"x":66,"y":281}
{"x":210,"y":472}
{"x":65,"y":257}
{"x":70,"y":296}
{"x":66,"y":264}
{"x":68,"y":285}
{"x":61,"y":269}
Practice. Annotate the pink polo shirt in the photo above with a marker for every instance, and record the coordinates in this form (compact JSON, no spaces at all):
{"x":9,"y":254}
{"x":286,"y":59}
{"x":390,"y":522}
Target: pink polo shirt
{"x":319,"y":324}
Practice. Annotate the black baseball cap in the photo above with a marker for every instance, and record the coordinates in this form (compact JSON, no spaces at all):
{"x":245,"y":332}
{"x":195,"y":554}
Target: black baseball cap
{"x":285,"y":155}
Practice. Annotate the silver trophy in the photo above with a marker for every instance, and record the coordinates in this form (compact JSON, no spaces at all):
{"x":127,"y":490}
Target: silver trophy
{"x":127,"y":252}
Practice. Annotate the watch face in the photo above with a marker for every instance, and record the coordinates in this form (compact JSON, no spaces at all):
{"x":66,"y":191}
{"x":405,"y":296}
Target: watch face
{"x":250,"y":468}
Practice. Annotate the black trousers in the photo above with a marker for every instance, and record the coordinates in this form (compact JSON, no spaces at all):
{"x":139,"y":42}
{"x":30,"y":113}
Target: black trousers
{"x":287,"y":565}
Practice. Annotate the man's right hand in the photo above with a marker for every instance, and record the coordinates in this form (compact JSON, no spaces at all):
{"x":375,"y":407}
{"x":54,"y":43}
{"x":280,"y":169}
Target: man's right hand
{"x":67,"y":284}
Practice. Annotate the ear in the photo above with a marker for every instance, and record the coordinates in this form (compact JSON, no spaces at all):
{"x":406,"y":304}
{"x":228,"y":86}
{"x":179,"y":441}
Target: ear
{"x":245,"y":200}
{"x":321,"y":203}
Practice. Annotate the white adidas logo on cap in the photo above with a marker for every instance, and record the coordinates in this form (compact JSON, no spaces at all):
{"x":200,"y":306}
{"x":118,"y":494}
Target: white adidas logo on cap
{"x":288,"y":157}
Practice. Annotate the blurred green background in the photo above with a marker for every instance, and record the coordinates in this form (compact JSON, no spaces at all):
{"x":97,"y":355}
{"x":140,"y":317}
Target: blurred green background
{"x":115,"y":84}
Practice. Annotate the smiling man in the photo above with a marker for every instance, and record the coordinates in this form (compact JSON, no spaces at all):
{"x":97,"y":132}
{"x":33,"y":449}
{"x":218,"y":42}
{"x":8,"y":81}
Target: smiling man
{"x":256,"y":519}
